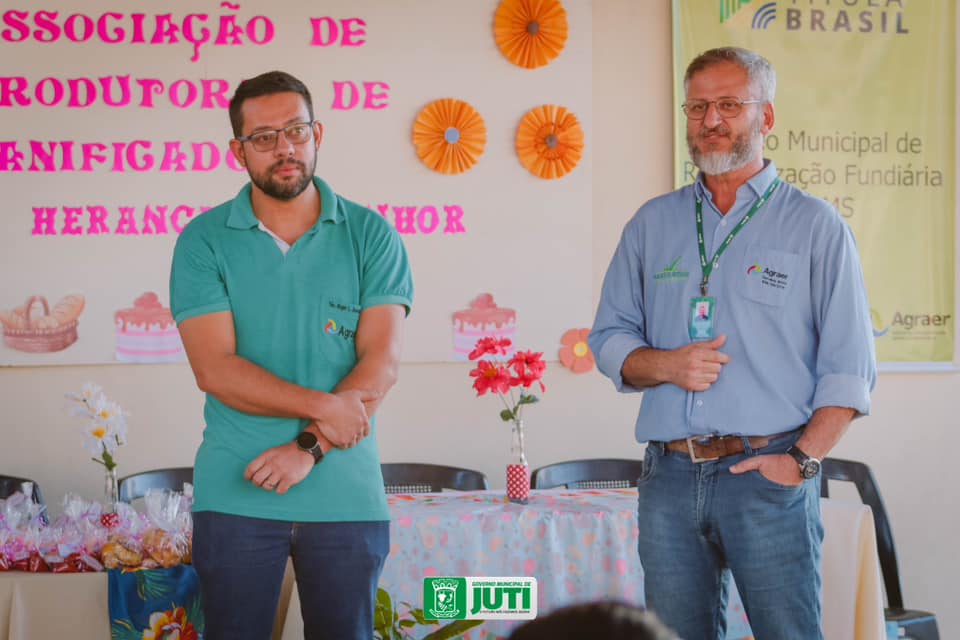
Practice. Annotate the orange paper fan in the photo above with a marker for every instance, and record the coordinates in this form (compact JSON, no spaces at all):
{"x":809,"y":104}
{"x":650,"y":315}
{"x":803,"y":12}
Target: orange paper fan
{"x":575,"y":353}
{"x":449,"y":135}
{"x":549,"y":141}
{"x":530,"y":33}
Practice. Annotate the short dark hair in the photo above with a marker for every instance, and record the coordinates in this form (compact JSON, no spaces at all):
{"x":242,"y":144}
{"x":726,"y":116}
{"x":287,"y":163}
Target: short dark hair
{"x":607,"y":620}
{"x":265,"y":84}
{"x":760,"y":72}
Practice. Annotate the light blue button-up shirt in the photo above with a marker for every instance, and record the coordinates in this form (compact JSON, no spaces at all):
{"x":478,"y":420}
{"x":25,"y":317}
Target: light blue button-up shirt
{"x":789,"y":297}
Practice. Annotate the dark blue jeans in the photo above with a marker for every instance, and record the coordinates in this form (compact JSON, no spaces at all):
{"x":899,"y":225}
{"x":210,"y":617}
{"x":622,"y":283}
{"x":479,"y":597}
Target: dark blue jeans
{"x":241,"y":562}
{"x":699,"y":523}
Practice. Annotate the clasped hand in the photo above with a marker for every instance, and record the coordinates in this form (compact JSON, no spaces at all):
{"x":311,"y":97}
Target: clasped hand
{"x":279,"y":468}
{"x":344,"y":425}
{"x":345,"y":421}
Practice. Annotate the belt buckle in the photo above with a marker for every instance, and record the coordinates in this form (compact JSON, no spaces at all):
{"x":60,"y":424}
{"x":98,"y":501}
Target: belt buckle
{"x":693,"y":456}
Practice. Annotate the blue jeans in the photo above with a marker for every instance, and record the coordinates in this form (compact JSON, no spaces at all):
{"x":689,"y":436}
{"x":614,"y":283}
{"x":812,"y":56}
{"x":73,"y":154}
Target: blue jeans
{"x":699,"y":523}
{"x":241,"y":561}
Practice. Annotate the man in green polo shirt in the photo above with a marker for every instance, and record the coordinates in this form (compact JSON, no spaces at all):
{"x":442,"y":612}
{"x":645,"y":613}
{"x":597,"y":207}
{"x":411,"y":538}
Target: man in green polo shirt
{"x":290,"y":300}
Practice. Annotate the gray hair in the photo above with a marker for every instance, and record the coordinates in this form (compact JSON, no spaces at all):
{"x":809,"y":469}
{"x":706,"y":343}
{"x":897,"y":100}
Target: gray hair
{"x":760,"y":72}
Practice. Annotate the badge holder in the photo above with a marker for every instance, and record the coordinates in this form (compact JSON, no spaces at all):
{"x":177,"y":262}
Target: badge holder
{"x":702,"y":313}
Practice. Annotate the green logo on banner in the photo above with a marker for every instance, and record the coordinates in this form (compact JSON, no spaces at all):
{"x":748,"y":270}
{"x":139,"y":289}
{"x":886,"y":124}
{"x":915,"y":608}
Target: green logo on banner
{"x":729,"y":7}
{"x":444,"y":598}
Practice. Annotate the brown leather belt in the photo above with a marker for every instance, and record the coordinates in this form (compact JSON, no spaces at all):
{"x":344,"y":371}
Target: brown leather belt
{"x":708,"y":448}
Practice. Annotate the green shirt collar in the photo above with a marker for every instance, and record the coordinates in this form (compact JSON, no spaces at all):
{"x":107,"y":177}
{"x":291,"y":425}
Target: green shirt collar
{"x":242,"y":216}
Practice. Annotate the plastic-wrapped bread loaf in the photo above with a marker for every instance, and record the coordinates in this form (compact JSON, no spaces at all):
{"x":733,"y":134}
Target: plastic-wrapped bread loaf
{"x":68,"y":309}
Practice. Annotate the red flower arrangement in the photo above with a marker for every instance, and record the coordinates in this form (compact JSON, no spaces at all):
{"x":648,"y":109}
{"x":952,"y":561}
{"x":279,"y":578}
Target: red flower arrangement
{"x":522,"y":370}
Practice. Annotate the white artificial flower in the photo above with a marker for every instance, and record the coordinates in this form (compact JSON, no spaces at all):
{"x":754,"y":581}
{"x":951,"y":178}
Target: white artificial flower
{"x":96,"y":438}
{"x":107,"y":411}
{"x":106,"y":423}
{"x":91,"y":392}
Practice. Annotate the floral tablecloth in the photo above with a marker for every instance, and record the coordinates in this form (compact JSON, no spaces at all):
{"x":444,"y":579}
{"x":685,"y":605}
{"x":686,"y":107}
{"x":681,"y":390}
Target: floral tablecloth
{"x":580,"y":545}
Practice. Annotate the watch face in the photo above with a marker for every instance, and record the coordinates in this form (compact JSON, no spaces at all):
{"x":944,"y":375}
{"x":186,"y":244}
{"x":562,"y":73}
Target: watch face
{"x":306,"y":441}
{"x":810,"y":468}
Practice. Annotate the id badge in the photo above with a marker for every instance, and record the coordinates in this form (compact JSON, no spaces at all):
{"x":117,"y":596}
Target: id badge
{"x":702,"y":312}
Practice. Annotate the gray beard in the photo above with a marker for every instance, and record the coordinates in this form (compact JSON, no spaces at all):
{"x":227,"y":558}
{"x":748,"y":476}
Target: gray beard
{"x":745,"y":149}
{"x":716,"y":163}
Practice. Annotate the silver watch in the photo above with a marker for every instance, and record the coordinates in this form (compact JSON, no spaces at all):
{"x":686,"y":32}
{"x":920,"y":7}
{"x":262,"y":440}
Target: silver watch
{"x":809,"y":467}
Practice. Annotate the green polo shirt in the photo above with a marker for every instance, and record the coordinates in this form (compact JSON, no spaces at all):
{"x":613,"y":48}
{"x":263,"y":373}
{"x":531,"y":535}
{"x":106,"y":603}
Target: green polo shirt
{"x":295,"y":315}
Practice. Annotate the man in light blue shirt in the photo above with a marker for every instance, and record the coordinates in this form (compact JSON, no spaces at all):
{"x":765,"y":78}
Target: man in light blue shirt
{"x":737,"y":306}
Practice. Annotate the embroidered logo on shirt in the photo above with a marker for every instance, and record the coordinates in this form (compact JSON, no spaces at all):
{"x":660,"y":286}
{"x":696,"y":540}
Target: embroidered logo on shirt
{"x":332,"y":329}
{"x":671,"y":272}
{"x":768,"y":277}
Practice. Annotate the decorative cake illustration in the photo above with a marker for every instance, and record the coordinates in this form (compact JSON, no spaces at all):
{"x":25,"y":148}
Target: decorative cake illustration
{"x":146,"y":332}
{"x":483,"y":318}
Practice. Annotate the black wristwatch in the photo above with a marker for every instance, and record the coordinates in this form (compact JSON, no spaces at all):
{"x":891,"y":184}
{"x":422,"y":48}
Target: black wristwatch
{"x":809,"y":467}
{"x":309,"y":443}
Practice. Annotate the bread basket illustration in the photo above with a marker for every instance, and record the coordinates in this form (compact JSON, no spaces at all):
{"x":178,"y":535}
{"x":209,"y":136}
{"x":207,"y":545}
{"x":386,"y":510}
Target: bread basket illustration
{"x":25,"y":329}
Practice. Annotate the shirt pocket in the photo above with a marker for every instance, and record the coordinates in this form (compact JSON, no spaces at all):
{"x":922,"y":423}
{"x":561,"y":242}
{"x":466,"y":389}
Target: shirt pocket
{"x":340,"y":320}
{"x":767,"y":275}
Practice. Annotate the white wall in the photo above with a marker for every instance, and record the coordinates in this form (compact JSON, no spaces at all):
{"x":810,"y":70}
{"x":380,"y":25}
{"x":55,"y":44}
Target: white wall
{"x":910,"y":441}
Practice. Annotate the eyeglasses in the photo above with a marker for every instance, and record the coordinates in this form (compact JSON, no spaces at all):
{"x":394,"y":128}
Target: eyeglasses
{"x":267,"y":140}
{"x":727,"y":107}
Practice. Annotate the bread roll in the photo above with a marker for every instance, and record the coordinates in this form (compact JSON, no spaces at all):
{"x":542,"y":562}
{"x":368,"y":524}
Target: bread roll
{"x":11,"y":320}
{"x":68,"y":309}
{"x":46,"y":322}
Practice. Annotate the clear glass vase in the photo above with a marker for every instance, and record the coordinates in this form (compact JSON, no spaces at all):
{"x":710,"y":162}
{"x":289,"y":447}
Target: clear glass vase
{"x":518,"y":472}
{"x":517,"y":453}
{"x":111,"y":491}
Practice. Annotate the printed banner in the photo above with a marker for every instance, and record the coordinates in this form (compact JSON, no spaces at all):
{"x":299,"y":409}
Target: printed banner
{"x":114,"y":135}
{"x":865,"y":118}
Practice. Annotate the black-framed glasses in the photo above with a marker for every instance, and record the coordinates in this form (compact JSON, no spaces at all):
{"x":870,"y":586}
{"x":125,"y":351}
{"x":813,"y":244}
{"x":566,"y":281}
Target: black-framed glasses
{"x":727,"y":107}
{"x":266,"y":140}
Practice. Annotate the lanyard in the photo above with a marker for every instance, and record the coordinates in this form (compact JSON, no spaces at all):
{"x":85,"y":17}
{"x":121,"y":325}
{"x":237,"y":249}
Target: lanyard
{"x":708,"y":267}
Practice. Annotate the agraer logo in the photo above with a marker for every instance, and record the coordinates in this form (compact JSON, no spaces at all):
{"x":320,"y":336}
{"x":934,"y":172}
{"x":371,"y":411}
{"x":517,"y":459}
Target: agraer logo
{"x":487,"y":598}
{"x":907,"y":323}
{"x":672,"y":272}
{"x":330,"y":327}
{"x":876,"y":321}
{"x":768,"y":277}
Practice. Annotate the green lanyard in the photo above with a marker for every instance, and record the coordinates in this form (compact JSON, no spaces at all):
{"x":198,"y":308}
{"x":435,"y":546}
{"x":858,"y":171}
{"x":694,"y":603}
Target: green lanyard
{"x":708,"y":267}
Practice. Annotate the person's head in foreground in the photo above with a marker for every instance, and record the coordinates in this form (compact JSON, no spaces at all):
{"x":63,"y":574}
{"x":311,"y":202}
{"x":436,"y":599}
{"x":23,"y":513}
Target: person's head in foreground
{"x":606,"y":620}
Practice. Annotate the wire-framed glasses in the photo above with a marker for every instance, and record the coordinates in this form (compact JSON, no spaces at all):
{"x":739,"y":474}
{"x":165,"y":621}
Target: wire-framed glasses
{"x":266,"y":140}
{"x":727,"y":107}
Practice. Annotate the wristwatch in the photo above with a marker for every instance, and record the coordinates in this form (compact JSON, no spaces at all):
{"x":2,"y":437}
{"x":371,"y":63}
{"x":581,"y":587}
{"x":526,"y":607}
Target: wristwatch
{"x":308,"y":442}
{"x":809,"y":467}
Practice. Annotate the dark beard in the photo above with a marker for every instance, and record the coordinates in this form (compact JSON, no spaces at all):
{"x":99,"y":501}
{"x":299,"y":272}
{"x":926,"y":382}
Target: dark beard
{"x":282,"y":190}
